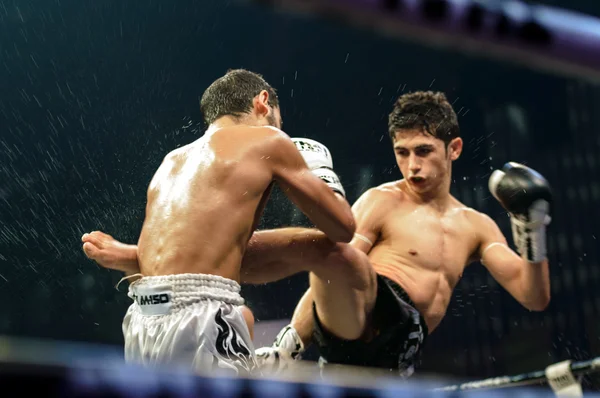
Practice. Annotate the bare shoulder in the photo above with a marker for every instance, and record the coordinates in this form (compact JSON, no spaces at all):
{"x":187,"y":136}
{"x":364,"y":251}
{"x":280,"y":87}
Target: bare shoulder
{"x":485,"y":226}
{"x":475,"y":217}
{"x":270,"y":141}
{"x":390,"y":190}
{"x":168,"y":162}
{"x":268,"y":132}
{"x":483,"y":229}
{"x":170,"y":158}
{"x":180,"y":151}
{"x":381,"y":196}
{"x":254,"y":142}
{"x":250,"y":134}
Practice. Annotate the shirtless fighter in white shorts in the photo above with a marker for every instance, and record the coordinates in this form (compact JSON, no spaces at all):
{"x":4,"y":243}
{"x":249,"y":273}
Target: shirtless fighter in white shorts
{"x":203,"y":204}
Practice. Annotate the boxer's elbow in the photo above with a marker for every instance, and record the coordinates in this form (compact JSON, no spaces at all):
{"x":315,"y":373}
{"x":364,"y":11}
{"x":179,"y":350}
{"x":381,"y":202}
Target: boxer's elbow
{"x":540,"y":303}
{"x":340,"y":236}
{"x":344,"y":238}
{"x":337,"y":223}
{"x":538,"y":307}
{"x":345,"y":230}
{"x":544,"y":305}
{"x":350,"y":225}
{"x":542,"y":296}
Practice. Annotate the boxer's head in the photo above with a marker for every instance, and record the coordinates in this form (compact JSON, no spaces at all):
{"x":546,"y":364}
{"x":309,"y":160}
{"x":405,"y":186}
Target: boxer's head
{"x":243,"y":95}
{"x":425,"y":134}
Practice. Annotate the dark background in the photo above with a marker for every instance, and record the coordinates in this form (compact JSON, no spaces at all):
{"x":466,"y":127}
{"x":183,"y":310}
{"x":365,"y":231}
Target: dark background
{"x":93,"y":94}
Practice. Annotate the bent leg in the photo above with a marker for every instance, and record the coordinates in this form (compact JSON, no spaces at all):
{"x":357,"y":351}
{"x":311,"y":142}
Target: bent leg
{"x":344,"y":292}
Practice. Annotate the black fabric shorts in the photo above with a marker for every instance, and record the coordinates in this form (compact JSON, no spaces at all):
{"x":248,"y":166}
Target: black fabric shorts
{"x":401,"y":332}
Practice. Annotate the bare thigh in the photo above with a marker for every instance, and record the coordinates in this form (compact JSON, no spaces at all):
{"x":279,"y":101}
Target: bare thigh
{"x":344,"y":290}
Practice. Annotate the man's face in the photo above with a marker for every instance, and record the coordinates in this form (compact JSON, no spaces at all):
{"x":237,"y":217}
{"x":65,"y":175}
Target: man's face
{"x":423,"y":159}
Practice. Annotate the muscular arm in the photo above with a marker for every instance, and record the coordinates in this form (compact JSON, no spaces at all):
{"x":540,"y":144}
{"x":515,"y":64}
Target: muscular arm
{"x":528,"y":283}
{"x":368,"y":212}
{"x":328,"y":211}
{"x":275,"y":254}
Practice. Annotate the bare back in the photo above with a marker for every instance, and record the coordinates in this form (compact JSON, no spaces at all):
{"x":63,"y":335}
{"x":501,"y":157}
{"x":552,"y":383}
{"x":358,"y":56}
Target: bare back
{"x":423,"y":249}
{"x":203,"y":204}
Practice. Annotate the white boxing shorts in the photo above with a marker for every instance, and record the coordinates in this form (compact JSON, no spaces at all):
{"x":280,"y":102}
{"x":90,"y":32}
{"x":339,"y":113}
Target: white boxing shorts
{"x":189,"y":320}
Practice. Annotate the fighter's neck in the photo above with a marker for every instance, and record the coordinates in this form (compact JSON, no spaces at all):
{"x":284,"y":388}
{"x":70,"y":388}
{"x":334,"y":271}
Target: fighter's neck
{"x":230,"y":121}
{"x":439,"y":202}
{"x":438,"y":198}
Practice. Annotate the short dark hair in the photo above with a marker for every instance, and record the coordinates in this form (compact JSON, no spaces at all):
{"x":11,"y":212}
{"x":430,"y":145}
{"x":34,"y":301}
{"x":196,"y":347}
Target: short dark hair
{"x":425,"y":110}
{"x":232,"y":95}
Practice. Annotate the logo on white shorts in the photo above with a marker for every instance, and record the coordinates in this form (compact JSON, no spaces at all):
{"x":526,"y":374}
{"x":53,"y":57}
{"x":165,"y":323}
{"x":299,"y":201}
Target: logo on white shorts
{"x":152,"y":299}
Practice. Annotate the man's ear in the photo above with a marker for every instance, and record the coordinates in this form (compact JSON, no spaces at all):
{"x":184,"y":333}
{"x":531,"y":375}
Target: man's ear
{"x":261,"y":103}
{"x":455,"y":148}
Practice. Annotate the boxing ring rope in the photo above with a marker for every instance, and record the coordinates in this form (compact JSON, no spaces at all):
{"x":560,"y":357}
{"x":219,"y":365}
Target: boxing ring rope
{"x":540,"y":37}
{"x":544,"y":38}
{"x":560,"y":376}
{"x":77,"y":370}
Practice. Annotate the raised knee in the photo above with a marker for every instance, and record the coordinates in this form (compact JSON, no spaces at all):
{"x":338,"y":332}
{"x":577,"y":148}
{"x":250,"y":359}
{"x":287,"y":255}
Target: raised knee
{"x":355,"y":264}
{"x":342,"y":255}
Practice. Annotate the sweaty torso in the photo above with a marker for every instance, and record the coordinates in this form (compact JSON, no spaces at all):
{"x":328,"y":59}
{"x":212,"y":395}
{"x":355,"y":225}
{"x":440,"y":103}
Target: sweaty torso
{"x":203,"y":204}
{"x":425,"y":250}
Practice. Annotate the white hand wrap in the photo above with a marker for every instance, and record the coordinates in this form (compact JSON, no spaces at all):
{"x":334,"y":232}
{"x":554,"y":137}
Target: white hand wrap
{"x":529,"y":232}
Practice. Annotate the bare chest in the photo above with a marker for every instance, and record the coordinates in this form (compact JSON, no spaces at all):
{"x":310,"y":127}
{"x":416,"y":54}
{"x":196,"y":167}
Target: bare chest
{"x":430,"y":241}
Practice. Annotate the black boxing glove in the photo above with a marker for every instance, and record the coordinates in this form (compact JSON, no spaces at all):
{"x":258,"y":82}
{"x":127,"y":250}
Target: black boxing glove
{"x":527,"y":197}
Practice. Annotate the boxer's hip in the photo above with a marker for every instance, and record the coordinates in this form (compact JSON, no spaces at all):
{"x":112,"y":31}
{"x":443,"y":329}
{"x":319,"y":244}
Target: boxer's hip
{"x":189,"y":320}
{"x":163,"y":295}
{"x":399,"y":331}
